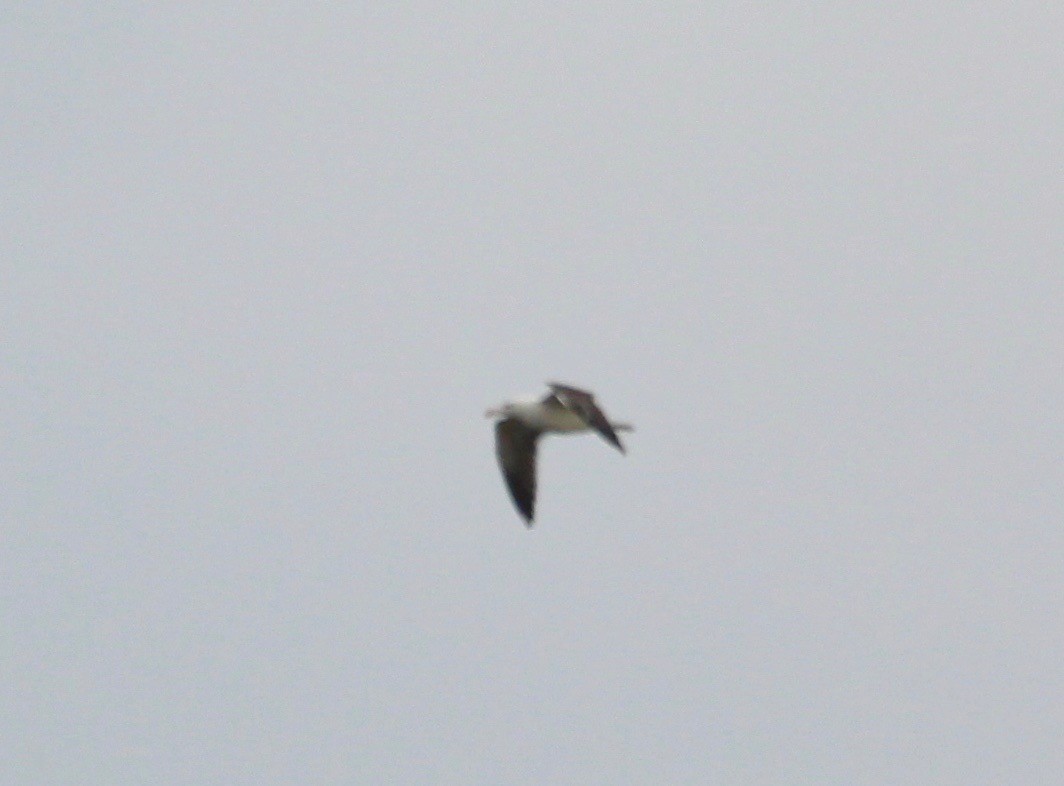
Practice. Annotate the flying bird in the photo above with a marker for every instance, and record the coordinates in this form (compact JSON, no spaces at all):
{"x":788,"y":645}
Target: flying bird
{"x":520,"y":423}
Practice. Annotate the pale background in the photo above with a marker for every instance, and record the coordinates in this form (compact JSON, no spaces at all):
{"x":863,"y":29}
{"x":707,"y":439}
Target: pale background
{"x":263,"y":267}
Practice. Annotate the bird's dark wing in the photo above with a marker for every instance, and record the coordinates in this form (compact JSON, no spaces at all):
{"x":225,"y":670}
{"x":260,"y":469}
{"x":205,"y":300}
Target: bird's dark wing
{"x":515,"y":447}
{"x":583,"y":404}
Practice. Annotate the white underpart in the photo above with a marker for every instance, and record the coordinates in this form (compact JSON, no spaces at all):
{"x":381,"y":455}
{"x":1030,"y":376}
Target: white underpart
{"x":535,"y":414}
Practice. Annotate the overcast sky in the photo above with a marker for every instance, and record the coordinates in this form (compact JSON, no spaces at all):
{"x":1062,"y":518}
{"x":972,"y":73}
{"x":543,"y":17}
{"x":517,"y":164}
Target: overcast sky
{"x":264,"y":266}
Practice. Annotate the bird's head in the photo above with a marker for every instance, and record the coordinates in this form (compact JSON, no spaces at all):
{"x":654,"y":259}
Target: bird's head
{"x":499,"y":412}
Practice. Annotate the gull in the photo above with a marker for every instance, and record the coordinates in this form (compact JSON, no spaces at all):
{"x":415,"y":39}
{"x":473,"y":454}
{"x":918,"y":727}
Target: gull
{"x":520,"y":423}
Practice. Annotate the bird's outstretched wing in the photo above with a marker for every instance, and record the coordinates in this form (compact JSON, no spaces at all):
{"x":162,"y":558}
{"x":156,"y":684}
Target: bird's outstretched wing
{"x":515,"y":448}
{"x":583,"y":404}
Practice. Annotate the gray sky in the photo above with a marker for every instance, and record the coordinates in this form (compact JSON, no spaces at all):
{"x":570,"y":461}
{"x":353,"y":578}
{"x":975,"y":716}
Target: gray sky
{"x":263,"y":270}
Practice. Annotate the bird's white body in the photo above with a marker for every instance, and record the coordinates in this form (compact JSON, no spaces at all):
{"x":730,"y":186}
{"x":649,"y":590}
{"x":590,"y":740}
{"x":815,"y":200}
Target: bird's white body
{"x":534,"y":414}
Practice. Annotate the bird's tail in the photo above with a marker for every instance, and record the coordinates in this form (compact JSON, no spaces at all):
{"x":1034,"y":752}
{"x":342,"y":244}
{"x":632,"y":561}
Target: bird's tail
{"x":623,"y":426}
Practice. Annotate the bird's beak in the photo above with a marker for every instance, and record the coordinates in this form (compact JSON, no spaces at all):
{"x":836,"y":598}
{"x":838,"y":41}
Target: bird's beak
{"x":492,"y":413}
